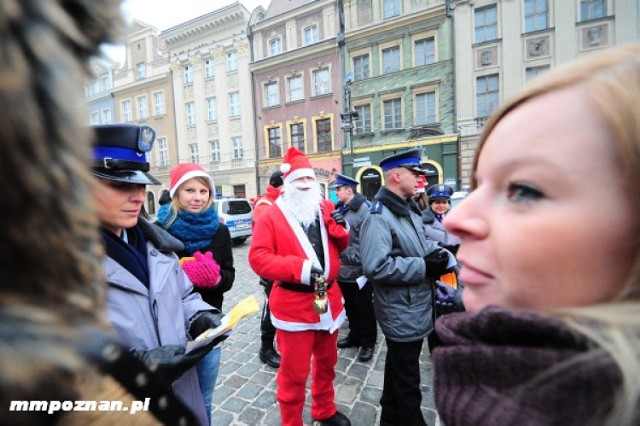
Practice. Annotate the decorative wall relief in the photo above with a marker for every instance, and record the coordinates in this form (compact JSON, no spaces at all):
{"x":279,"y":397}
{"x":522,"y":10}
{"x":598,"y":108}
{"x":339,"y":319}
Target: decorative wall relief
{"x":537,"y":47}
{"x":487,"y":57}
{"x":594,"y":36}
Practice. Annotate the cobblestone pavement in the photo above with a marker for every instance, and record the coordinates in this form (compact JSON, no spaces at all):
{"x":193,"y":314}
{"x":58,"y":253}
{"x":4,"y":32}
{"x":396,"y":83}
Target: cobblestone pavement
{"x":245,"y":391}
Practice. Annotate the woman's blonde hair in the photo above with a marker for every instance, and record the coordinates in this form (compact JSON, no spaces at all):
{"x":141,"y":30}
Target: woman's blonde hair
{"x":610,"y":80}
{"x":175,"y":205}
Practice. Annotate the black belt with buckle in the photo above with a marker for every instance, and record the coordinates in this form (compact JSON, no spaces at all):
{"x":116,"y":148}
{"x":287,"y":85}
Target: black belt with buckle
{"x":301,"y":288}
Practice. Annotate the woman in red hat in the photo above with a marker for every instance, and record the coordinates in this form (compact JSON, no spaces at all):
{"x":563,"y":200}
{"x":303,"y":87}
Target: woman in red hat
{"x":207,"y":258}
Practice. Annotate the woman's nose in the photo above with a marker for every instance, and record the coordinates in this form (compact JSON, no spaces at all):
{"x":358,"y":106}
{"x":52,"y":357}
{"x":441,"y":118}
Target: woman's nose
{"x":468,"y":219}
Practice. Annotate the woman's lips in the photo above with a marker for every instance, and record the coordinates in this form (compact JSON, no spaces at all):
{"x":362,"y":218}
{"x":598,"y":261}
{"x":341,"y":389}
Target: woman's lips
{"x":470,"y":275}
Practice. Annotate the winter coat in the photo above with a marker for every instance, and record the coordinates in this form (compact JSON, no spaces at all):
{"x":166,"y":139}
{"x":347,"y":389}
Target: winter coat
{"x":222,"y":250}
{"x":434,"y":230}
{"x":393,"y":247}
{"x":146,"y":318}
{"x":263,"y":202}
{"x":354,"y":213}
{"x":281,"y":251}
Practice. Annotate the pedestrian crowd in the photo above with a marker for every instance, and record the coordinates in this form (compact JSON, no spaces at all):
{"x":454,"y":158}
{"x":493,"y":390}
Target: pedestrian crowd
{"x":528,"y":296}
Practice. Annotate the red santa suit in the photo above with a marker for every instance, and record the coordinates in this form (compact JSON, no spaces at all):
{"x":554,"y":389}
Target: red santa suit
{"x":280,"y":250}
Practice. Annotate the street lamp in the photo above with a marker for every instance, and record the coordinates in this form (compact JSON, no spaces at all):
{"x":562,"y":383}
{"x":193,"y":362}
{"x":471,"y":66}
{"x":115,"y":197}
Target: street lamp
{"x":348,"y":116}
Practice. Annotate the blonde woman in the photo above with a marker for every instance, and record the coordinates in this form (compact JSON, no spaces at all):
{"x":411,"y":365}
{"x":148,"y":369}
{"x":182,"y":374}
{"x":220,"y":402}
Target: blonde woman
{"x":552,"y":332}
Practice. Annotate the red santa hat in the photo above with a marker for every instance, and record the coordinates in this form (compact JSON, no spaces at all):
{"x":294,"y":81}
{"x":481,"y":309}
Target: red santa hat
{"x":422,"y":183}
{"x":296,"y":165}
{"x":185,"y":171}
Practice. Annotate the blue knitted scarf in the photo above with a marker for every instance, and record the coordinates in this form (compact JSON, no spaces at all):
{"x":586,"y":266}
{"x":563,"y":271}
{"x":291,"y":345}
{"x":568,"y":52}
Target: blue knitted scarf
{"x":195,"y":230}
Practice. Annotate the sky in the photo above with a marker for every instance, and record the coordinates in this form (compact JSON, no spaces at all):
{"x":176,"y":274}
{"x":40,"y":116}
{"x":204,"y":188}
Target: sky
{"x":168,"y":13}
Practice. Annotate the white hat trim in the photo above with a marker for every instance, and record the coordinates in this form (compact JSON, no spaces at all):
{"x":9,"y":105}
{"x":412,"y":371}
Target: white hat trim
{"x":298,"y":173}
{"x":190,"y":175}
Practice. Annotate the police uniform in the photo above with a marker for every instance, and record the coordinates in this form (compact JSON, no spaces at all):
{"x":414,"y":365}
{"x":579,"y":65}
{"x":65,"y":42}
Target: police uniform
{"x":358,"y":302}
{"x":393,"y":252}
{"x":149,"y":299}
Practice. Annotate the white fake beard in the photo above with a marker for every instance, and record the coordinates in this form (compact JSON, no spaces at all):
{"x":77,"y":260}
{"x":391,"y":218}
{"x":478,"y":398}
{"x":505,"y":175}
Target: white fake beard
{"x":303,"y":205}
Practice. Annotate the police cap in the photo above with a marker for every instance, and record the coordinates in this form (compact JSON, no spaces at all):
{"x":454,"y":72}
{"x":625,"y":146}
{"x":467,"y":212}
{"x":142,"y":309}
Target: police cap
{"x":342,"y":180}
{"x":439,"y":192}
{"x":119,"y":153}
{"x":409,"y":159}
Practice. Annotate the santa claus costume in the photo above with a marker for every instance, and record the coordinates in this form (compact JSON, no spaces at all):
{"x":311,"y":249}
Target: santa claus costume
{"x":284,"y":250}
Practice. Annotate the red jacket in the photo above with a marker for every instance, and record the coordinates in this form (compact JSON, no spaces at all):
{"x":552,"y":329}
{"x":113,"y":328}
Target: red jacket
{"x":280,"y":251}
{"x":263,"y":202}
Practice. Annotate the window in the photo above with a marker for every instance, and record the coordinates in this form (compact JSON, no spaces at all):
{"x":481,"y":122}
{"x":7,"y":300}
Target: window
{"x":275,"y":142}
{"x":194,"y":156}
{"x":391,"y":60}
{"x":232,"y":61}
{"x":425,"y":51}
{"x":143,"y":111}
{"x":126,"y":111}
{"x":323,"y":134}
{"x":163,"y":152}
{"x":212,"y":109}
{"x":105,"y":85}
{"x":535,"y":15}
{"x":361,"y":67}
{"x":238,"y":151}
{"x":392,"y":114}
{"x":271,"y":94}
{"x":215,"y":150}
{"x":158,"y":103}
{"x":297,"y":136}
{"x":295,"y":88}
{"x":486,"y":95}
{"x":391,"y":8}
{"x":209,"y":69}
{"x":485,"y":24}
{"x":94,"y":118}
{"x":425,"y":108}
{"x":592,"y":9}
{"x":234,"y":104}
{"x":363,"y":122}
{"x":532,"y":72}
{"x":365,"y":12}
{"x":275,"y":46}
{"x":188,"y":74}
{"x":106,"y":116}
{"x":141,"y":71}
{"x":310,"y":35}
{"x":191,"y":113}
{"x":321,"y":83}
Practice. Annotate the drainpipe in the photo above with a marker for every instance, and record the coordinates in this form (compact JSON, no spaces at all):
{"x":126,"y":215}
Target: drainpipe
{"x":449,"y":14}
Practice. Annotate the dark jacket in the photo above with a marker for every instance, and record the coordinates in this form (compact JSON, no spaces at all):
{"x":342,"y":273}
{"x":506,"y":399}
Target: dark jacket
{"x":350,"y":260}
{"x":221,"y":248}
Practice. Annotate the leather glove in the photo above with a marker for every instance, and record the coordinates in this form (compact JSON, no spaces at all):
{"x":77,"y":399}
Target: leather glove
{"x":436,"y":263}
{"x":169,"y":362}
{"x":203,"y":271}
{"x":315,"y":272}
{"x":337,"y":216}
{"x":202,"y":323}
{"x":445,"y":299}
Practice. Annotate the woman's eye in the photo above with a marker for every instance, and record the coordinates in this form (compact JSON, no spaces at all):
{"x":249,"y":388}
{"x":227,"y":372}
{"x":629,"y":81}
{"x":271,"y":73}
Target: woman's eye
{"x":518,"y":193}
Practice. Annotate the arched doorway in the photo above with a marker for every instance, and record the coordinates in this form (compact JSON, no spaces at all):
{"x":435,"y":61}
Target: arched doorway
{"x":370,"y":183}
{"x":433,"y":176}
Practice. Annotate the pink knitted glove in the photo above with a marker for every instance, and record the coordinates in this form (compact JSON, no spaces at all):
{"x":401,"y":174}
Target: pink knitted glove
{"x":203,"y":271}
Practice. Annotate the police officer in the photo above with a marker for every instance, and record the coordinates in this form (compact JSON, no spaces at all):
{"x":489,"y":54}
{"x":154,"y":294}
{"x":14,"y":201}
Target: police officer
{"x":150,"y":302}
{"x":439,"y":204}
{"x":402,"y":265}
{"x":358,"y":302}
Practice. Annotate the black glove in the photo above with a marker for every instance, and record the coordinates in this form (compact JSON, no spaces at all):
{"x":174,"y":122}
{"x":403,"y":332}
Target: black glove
{"x":452,"y":249}
{"x":169,"y":362}
{"x":445,"y":299}
{"x":436,"y":263}
{"x":205,"y":321}
{"x":337,"y":216}
{"x":315,"y":272}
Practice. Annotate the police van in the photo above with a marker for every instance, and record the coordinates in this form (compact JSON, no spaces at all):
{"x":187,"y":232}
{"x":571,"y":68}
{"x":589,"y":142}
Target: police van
{"x":236,"y":214}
